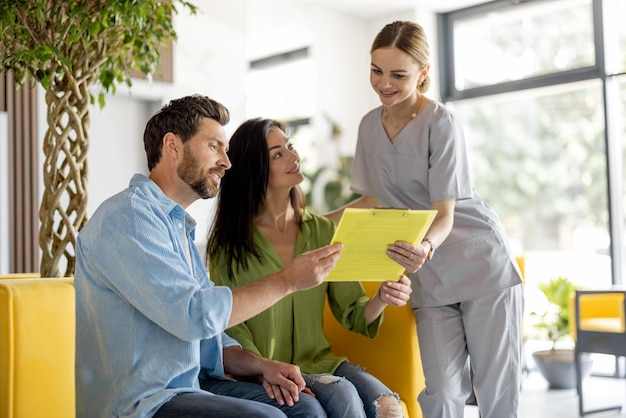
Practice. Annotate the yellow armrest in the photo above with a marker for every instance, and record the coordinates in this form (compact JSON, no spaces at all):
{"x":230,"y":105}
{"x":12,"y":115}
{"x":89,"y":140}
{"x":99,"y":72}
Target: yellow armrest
{"x":37,"y":337}
{"x":19,"y":276}
{"x":393,"y":356}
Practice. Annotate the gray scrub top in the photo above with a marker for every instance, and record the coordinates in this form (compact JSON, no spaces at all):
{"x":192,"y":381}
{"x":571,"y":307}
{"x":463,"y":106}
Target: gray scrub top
{"x":428,"y":162}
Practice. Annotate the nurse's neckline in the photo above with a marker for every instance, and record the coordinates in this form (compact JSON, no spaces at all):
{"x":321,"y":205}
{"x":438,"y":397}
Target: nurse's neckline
{"x":393,"y":128}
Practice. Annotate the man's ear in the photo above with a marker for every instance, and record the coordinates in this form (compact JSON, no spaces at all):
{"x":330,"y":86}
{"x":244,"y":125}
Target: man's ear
{"x":171,"y":145}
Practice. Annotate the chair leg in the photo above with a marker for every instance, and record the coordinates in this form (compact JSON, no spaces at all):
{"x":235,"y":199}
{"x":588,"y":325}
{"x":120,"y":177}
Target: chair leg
{"x":579,"y":381}
{"x":579,"y":389}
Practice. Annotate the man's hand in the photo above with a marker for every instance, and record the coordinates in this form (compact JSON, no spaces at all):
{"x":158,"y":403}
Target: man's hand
{"x":311,"y":268}
{"x":304,"y":272}
{"x":282,"y":382}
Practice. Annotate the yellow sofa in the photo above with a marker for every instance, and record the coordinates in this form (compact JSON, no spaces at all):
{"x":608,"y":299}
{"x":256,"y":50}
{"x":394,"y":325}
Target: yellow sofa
{"x":37,"y":349}
{"x":393,"y":356}
{"x":37,"y":337}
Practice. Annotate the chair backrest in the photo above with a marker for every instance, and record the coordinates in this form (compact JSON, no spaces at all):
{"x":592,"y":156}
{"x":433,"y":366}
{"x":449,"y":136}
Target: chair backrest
{"x":37,"y":347}
{"x":393,"y":356}
{"x":600,"y":310}
{"x":600,"y":327}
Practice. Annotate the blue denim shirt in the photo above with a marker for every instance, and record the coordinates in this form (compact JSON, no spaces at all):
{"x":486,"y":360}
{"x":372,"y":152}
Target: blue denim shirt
{"x":149,"y":322}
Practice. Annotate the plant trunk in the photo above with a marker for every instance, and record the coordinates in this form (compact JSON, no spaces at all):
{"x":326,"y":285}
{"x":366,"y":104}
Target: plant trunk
{"x":63,"y":210}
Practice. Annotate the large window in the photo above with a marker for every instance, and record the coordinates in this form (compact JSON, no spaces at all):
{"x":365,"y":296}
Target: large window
{"x":283,"y":87}
{"x":539,"y":88}
{"x":539,"y":158}
{"x":274,"y":86}
{"x":529,"y":40}
{"x":274,"y":89}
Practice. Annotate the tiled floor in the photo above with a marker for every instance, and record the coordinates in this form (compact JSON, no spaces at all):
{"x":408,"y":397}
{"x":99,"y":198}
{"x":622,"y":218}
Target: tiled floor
{"x":538,"y":401}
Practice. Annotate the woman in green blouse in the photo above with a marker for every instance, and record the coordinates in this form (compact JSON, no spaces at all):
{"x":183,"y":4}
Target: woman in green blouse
{"x":260,"y":226}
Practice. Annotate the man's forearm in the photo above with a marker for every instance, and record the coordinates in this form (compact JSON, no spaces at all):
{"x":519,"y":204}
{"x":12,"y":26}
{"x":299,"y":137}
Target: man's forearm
{"x":239,"y":362}
{"x":306,"y":271}
{"x":257,"y":296}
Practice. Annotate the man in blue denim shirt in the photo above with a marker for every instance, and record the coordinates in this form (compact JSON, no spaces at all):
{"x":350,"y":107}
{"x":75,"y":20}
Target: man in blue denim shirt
{"x":150,"y":324}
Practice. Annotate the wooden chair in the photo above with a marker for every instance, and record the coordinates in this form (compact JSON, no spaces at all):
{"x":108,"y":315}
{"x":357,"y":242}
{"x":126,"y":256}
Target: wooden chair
{"x":600,"y":327}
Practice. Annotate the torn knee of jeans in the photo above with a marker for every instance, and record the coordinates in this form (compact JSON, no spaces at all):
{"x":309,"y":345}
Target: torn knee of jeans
{"x":328,"y":379}
{"x":388,"y":406}
{"x":359,"y":366}
{"x":388,"y":396}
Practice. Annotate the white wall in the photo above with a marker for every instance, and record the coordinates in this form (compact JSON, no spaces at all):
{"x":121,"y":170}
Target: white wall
{"x":116,"y":149}
{"x":211,"y":57}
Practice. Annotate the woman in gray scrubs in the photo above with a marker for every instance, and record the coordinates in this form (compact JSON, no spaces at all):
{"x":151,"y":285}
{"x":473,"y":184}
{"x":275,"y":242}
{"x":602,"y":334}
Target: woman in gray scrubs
{"x":467,"y":297}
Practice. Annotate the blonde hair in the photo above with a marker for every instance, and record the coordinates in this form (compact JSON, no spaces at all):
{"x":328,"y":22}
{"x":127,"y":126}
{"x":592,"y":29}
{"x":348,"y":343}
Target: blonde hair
{"x":408,"y":37}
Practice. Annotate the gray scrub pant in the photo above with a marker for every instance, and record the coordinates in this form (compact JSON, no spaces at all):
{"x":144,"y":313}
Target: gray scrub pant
{"x":479,"y":342}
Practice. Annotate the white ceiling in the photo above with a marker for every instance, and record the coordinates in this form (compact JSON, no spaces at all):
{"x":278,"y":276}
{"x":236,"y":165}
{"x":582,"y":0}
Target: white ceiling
{"x":374,"y":8}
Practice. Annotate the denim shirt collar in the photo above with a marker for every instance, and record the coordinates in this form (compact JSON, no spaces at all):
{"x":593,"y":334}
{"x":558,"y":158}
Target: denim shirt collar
{"x":151,"y":189}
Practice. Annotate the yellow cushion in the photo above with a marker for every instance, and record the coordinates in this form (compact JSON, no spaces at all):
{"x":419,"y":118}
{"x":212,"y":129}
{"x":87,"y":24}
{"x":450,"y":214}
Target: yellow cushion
{"x":603,"y":325}
{"x":599,"y":312}
{"x":37,"y":337}
{"x":393,"y":356}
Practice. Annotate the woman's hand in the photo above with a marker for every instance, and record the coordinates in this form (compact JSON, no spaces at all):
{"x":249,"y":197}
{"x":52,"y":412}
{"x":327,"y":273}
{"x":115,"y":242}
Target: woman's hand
{"x":411,"y":257}
{"x":395,"y":293}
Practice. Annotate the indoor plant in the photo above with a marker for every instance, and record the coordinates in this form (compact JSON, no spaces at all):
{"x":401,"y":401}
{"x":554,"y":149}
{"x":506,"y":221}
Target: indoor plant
{"x":70,"y":47}
{"x":557,"y":364}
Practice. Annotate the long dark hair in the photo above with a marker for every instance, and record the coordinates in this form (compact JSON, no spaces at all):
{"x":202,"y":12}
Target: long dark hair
{"x":242,"y":194}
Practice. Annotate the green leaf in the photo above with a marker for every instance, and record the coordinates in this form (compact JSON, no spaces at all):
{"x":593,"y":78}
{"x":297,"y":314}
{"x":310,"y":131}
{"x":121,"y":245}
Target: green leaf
{"x":40,"y":15}
{"x":8,"y":17}
{"x":133,"y":32}
{"x":73,"y":37}
{"x":94,"y":29}
{"x":66,"y":61}
{"x":45,"y":82}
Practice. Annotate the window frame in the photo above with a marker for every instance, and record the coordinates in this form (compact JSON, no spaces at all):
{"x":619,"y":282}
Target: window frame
{"x":614,"y":163}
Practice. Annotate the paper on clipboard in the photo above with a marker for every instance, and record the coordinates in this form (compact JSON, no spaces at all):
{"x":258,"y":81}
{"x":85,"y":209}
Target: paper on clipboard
{"x":366,"y":234}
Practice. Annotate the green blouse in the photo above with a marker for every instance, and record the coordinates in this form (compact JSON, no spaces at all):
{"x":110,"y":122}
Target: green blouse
{"x":291,"y":330}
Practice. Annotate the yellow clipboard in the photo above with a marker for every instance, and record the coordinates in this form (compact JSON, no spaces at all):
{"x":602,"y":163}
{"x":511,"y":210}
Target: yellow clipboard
{"x":367,"y":233}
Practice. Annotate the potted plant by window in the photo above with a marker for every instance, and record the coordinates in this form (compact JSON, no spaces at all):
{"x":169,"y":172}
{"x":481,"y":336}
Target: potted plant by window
{"x":557,"y":364}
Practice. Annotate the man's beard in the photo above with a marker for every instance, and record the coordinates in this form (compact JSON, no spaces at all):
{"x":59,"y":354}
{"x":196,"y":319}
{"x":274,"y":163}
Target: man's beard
{"x":190,"y":173}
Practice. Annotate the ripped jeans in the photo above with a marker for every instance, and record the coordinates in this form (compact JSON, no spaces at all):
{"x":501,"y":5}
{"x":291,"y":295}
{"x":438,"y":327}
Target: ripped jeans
{"x":351,"y":393}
